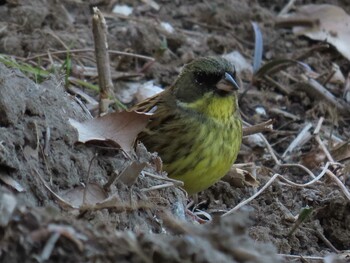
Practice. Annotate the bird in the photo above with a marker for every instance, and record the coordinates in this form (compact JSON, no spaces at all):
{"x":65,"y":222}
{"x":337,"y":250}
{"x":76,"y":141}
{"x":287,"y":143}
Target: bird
{"x":195,"y":126}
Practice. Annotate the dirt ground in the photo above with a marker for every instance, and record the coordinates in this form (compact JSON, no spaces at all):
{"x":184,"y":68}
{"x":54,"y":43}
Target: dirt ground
{"x":140,"y":223}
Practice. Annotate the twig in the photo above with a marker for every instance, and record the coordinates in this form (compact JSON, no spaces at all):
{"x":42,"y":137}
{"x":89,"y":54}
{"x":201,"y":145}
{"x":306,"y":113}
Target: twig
{"x":131,"y":55}
{"x":315,"y":179}
{"x":302,"y":257}
{"x":157,"y":187}
{"x":50,"y":32}
{"x":312,"y":51}
{"x":287,"y":7}
{"x":83,"y":50}
{"x":319,"y":141}
{"x":339,"y":183}
{"x":346,"y":93}
{"x":269,"y":148}
{"x":317,"y":91}
{"x":299,"y":166}
{"x":283,"y":90}
{"x":292,"y":22}
{"x":265,"y":141}
{"x":99,"y":29}
{"x":329,"y":77}
{"x":47,"y":140}
{"x":325,"y":240}
{"x":61,"y":201}
{"x":285,"y":114}
{"x":176,"y":182}
{"x":49,"y":246}
{"x":275,"y":176}
{"x":84,"y":108}
{"x":115,"y":177}
{"x":302,"y":138}
{"x":89,"y":100}
{"x":318,"y":126}
{"x":87,"y":179}
{"x":264,"y":126}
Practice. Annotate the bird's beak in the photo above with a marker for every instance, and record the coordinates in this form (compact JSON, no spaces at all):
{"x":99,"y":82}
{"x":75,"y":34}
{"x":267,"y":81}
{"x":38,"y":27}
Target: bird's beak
{"x":227,"y":83}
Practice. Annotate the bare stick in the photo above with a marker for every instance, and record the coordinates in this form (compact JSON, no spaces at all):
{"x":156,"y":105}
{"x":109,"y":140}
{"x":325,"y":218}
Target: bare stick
{"x":316,"y":90}
{"x":263,"y":138}
{"x":286,"y":9}
{"x":275,"y":176}
{"x":99,"y":29}
{"x":272,"y":179}
{"x":319,"y":125}
{"x":269,"y":148}
{"x":63,"y":203}
{"x":319,"y":141}
{"x":302,"y":138}
{"x":264,"y":126}
{"x":302,"y":257}
{"x":299,"y":166}
{"x":87,"y":179}
{"x":175,"y":182}
{"x":83,"y":50}
{"x":285,"y":114}
{"x":292,"y":22}
{"x":157,"y":187}
{"x":326,"y":241}
{"x":339,"y":183}
{"x":279,"y":86}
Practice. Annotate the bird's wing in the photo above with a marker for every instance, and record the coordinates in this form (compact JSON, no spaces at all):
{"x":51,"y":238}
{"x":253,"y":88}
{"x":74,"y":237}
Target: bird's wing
{"x":148,"y":105}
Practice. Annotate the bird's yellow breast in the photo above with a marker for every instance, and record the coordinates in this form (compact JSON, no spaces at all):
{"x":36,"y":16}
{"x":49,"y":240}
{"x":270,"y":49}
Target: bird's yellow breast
{"x":216,"y":140}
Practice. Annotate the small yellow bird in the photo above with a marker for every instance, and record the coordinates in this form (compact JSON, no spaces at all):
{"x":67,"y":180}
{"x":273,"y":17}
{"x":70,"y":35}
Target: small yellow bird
{"x":196,"y":126}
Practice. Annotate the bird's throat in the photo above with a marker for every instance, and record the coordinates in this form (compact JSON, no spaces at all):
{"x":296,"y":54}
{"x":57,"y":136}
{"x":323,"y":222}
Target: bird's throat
{"x":220,"y":108}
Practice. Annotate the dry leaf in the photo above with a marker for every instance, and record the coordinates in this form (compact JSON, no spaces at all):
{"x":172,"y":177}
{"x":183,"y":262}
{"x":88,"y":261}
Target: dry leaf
{"x":240,"y":178}
{"x":341,"y":151}
{"x":330,"y":23}
{"x":93,"y":194}
{"x":119,"y":127}
{"x":314,"y":158}
{"x":131,"y":173}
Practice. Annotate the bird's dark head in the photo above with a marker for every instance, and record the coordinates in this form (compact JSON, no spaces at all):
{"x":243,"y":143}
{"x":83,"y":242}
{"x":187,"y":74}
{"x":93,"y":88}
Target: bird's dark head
{"x":206,"y":75}
{"x":208,"y":85}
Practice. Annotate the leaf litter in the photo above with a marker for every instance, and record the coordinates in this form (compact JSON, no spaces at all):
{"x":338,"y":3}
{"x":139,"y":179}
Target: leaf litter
{"x":121,"y":128}
{"x":325,"y":22}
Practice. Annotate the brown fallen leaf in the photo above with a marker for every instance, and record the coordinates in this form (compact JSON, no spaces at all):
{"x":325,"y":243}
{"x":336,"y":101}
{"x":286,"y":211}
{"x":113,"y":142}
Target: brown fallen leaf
{"x":131,"y":173}
{"x":316,"y":157}
{"x":240,"y":178}
{"x":93,"y":194}
{"x":328,"y":23}
{"x":119,"y":127}
{"x":341,"y":151}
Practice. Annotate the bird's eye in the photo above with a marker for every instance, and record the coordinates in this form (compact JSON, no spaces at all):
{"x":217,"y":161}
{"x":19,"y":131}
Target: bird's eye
{"x":206,"y":79}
